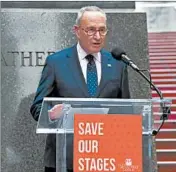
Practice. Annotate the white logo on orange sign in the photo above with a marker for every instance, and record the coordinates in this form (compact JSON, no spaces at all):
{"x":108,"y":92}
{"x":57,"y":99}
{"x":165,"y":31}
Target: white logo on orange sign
{"x":128,"y":162}
{"x":128,"y":166}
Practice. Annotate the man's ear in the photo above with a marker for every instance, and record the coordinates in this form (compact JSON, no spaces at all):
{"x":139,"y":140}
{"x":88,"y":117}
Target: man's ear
{"x":76,"y":30}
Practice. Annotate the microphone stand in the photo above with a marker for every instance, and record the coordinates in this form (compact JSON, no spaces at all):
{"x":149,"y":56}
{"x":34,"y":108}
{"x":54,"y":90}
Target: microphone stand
{"x":165,"y":109}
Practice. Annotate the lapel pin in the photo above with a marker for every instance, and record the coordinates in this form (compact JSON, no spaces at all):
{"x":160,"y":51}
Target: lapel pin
{"x":109,"y":65}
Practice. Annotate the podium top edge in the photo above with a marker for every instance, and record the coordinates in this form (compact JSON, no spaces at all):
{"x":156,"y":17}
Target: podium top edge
{"x":106,"y":99}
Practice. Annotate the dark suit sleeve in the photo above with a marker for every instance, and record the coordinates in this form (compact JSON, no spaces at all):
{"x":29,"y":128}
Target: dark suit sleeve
{"x":45,"y":88}
{"x":125,"y":93}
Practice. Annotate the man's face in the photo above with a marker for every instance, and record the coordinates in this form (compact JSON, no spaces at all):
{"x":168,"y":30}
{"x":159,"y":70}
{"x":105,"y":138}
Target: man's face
{"x":91,"y":32}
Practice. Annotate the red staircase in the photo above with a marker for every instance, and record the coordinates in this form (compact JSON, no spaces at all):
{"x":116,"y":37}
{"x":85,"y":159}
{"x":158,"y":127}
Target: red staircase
{"x":162,"y":52}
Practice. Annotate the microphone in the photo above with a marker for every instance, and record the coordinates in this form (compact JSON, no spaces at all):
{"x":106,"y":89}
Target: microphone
{"x":119,"y":54}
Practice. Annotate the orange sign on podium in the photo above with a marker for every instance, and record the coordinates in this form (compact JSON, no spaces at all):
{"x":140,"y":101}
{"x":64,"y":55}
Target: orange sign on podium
{"x":107,"y":143}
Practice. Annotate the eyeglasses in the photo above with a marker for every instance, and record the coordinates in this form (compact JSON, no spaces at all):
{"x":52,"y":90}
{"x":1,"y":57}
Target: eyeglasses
{"x":92,"y":31}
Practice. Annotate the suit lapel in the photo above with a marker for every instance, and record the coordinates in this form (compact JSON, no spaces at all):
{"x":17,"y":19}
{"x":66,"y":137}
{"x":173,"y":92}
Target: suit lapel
{"x":106,"y":71}
{"x":76,"y":71}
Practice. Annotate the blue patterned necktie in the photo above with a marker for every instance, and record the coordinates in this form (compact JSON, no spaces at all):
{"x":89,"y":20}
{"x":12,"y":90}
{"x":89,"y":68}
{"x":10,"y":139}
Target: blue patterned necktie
{"x":92,"y":79}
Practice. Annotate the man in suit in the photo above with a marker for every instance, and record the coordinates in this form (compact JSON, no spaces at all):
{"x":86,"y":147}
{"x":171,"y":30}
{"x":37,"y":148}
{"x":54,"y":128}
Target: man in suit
{"x":82,"y":71}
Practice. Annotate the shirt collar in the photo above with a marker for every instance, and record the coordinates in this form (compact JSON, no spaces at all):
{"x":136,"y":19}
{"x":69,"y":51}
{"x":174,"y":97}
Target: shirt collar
{"x":82,"y":54}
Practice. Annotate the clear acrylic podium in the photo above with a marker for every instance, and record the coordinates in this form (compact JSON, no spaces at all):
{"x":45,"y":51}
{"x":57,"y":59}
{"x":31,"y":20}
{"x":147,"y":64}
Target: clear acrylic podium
{"x":149,"y":109}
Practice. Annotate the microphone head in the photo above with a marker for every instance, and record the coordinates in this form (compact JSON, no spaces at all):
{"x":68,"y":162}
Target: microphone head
{"x":117,"y":53}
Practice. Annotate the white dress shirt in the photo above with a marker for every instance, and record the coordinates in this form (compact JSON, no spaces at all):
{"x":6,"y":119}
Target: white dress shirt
{"x":83,"y":62}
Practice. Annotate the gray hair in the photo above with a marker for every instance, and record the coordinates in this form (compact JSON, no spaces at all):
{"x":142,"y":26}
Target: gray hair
{"x":88,"y":8}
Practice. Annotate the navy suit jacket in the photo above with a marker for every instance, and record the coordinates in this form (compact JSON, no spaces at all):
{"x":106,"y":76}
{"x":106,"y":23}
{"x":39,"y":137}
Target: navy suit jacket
{"x":62,"y":77}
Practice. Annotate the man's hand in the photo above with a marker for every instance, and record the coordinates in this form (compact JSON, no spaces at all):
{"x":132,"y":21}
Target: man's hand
{"x":55,"y":112}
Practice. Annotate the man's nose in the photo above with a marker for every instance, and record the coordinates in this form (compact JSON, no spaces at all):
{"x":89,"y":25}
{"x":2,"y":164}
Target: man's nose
{"x":97,"y":35}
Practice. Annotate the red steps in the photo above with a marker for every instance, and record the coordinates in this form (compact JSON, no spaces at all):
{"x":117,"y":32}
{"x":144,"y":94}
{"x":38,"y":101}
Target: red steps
{"x":166,"y":168}
{"x":162,"y":53}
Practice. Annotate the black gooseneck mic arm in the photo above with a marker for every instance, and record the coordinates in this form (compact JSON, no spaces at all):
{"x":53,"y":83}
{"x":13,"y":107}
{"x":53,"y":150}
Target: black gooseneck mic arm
{"x":118,"y":54}
{"x":165,"y":109}
{"x":131,"y":64}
